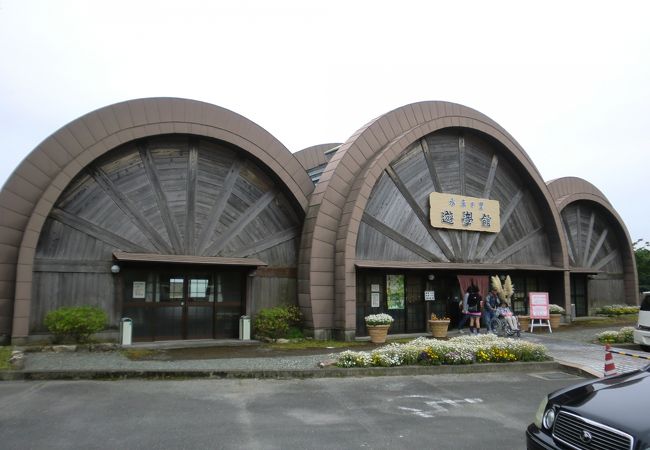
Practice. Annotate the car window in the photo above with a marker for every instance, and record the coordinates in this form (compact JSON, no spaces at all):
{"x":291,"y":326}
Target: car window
{"x":645,"y":304}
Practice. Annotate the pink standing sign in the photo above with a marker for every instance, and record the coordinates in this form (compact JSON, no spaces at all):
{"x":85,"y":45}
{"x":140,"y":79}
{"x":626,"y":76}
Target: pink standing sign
{"x":538,"y":305}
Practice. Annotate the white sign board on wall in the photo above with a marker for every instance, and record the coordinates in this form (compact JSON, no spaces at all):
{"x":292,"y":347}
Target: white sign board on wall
{"x":139,"y":289}
{"x":374,"y":298}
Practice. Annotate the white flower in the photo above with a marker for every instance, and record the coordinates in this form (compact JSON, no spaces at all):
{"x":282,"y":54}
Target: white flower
{"x":379,"y":319}
{"x":458,"y":350}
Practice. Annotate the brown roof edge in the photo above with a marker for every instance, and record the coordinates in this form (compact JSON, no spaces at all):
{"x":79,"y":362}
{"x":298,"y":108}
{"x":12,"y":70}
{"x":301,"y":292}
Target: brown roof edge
{"x":585,"y":270}
{"x":187,"y":259}
{"x":427,"y":265}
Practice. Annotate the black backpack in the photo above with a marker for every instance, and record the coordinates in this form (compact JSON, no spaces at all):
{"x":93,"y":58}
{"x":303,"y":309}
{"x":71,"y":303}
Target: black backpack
{"x":473,"y":301}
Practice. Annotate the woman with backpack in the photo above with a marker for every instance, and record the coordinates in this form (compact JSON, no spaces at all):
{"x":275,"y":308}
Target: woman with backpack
{"x":474,"y":305}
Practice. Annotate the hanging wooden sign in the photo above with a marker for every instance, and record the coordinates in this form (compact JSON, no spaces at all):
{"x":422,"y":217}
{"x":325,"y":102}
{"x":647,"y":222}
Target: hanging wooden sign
{"x":459,"y":212}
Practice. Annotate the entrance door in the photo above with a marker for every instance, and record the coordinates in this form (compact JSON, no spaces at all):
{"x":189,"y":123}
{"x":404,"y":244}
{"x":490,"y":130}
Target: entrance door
{"x":447,"y":296}
{"x":183,"y":304}
{"x":169,"y":313}
{"x":397,"y":294}
{"x":199,"y":306}
{"x":579,"y":294}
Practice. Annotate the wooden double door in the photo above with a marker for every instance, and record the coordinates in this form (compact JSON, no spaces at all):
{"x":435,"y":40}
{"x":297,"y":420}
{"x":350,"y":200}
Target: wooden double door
{"x":182,"y":303}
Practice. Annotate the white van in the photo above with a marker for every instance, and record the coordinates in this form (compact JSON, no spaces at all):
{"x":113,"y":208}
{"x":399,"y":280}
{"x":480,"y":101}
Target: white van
{"x":642,"y":331}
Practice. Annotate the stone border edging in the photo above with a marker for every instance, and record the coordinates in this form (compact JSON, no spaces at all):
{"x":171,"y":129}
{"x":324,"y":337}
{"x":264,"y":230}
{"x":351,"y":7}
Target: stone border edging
{"x":331,"y":372}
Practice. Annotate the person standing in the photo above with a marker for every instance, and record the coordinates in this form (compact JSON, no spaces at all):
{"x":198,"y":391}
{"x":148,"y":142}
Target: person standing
{"x":464,"y":316}
{"x":489,"y":309}
{"x":474,"y":304}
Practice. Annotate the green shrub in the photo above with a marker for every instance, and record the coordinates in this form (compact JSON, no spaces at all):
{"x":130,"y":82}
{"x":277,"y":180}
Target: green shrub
{"x":276,"y":322}
{"x":295,"y":333}
{"x":76,"y":322}
{"x":617,"y":310}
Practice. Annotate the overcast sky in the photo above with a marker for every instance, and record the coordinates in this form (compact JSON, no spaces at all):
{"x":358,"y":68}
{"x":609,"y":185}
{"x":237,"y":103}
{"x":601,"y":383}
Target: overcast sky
{"x":570,"y":81}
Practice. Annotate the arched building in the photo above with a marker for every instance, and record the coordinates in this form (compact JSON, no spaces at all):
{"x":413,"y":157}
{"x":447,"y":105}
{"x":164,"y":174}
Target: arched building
{"x":184,"y":216}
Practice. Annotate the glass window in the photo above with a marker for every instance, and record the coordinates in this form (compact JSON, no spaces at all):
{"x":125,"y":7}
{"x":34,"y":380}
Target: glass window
{"x":176,"y":288}
{"x":531,"y":284}
{"x":199,"y":288}
{"x":645,"y":304}
{"x":171,"y":288}
{"x":228,"y":286}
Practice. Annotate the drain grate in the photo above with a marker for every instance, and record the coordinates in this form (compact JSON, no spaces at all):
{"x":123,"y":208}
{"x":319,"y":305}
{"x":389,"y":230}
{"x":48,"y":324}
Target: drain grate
{"x":556,"y":376}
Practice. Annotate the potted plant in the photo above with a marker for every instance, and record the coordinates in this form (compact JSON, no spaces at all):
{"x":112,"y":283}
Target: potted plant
{"x":378,"y":325}
{"x":555,"y":313}
{"x":439,"y":326}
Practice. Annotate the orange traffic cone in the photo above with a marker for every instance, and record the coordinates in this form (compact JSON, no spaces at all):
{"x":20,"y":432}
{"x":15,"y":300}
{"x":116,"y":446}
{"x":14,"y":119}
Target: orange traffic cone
{"x":610,"y":368}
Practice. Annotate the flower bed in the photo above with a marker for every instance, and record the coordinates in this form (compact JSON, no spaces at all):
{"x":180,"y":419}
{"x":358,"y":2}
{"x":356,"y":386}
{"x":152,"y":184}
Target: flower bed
{"x":458,"y":350}
{"x":617,"y":310}
{"x":624,"y":335}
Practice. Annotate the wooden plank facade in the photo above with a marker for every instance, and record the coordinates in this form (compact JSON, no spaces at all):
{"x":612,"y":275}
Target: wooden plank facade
{"x":222,"y":220}
{"x":169,"y":195}
{"x":395,"y":225}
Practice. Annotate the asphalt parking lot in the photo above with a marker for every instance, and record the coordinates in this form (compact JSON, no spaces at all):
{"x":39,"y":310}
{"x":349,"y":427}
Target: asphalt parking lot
{"x":459,"y":411}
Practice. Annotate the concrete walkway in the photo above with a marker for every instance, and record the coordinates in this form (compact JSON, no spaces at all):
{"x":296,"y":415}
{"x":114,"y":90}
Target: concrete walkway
{"x":570,"y":347}
{"x":573,"y":347}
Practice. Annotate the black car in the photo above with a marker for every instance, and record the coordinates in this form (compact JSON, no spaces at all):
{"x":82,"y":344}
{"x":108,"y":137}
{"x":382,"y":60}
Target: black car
{"x":607,"y":413}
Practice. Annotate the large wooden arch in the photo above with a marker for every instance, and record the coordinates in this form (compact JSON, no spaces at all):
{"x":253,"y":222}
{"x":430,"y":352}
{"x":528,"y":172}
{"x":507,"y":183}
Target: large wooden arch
{"x":338,"y":203}
{"x":603,"y":248}
{"x":30,"y":193}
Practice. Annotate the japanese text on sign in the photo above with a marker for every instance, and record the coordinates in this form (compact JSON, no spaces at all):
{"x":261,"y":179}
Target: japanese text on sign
{"x":538,"y":305}
{"x":460,"y":212}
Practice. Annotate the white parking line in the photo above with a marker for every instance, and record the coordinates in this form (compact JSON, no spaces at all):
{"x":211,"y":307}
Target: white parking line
{"x":437,"y":406}
{"x":417,"y":412}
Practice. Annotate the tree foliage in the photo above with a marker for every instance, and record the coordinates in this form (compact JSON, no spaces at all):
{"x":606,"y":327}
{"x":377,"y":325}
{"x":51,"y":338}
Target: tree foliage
{"x":642,"y":256}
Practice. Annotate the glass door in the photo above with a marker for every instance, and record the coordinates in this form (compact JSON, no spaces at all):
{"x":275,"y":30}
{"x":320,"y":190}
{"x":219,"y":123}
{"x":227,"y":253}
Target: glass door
{"x":415,"y":307}
{"x":170,"y":309}
{"x":199,"y":308}
{"x":182,"y":303}
{"x":229,"y":304}
{"x":579,"y":294}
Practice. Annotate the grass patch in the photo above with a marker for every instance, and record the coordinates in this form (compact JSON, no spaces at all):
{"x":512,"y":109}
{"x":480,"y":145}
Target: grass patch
{"x":307,"y":344}
{"x":5,"y":354}
{"x":311,"y":343}
{"x":623,"y":320}
{"x":138,"y":354}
